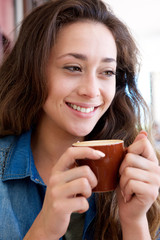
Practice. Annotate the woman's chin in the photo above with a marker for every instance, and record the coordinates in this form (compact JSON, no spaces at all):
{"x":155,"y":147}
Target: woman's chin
{"x":82,"y":132}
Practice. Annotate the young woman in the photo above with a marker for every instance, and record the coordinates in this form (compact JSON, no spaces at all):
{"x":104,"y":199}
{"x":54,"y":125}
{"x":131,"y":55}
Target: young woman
{"x":71,"y":76}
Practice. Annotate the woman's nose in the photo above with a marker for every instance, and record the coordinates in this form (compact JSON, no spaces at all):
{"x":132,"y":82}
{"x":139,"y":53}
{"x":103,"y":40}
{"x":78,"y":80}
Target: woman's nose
{"x":89,"y":86}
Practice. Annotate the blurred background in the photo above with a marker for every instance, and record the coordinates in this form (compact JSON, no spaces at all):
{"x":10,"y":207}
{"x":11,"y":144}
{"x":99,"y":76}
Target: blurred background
{"x":141,"y":16}
{"x":143,"y":19}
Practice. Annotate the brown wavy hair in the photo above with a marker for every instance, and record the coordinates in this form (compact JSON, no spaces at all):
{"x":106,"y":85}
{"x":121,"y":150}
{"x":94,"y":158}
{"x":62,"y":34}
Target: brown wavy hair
{"x":23,"y":89}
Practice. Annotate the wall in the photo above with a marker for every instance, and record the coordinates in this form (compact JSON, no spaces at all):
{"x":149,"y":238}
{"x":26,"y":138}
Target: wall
{"x":7,"y":18}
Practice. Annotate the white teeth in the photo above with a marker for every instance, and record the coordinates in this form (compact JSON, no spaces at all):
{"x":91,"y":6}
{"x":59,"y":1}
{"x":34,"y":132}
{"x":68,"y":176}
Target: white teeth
{"x":81,"y":109}
{"x":75,"y":107}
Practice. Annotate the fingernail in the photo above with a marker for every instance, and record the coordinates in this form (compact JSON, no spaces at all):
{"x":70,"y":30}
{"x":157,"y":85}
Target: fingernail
{"x":100,"y":154}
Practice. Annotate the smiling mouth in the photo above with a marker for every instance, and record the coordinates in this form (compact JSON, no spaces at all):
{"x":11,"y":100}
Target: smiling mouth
{"x":81,"y":109}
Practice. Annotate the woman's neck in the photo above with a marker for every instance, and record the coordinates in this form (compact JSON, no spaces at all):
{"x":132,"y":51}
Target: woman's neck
{"x":48,"y":144}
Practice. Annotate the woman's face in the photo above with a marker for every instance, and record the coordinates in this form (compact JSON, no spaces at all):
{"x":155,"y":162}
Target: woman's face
{"x":81,"y":78}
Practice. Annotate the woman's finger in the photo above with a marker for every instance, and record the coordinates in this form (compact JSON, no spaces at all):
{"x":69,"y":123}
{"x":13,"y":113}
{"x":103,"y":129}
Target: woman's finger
{"x":145,"y":193}
{"x":68,"y":158}
{"x":77,"y":187}
{"x":144,"y":148}
{"x":137,"y":161}
{"x":69,"y":205}
{"x":139,"y":175}
{"x":141,"y":135}
{"x":59,"y":178}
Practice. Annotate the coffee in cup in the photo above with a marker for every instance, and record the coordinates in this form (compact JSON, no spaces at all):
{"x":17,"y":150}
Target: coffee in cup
{"x":106,"y":168}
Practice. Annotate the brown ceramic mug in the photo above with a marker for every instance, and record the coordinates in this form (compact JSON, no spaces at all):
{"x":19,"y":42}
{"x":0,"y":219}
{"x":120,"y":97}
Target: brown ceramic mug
{"x":106,"y":168}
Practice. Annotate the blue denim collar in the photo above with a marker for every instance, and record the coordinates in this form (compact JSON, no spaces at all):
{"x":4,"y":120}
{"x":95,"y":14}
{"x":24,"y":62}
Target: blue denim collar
{"x":18,"y":162}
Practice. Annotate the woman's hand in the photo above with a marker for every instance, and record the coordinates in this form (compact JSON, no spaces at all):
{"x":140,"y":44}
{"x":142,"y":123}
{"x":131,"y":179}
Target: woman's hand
{"x":67,"y":192}
{"x":139,"y":182}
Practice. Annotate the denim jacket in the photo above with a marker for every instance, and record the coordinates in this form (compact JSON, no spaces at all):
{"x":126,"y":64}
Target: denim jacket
{"x":22,"y":190}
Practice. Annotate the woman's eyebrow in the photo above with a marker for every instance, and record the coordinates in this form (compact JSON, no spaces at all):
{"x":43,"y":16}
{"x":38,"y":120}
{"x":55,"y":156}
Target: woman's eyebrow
{"x":84,"y":57}
{"x":75,"y":55}
{"x":108,"y":59}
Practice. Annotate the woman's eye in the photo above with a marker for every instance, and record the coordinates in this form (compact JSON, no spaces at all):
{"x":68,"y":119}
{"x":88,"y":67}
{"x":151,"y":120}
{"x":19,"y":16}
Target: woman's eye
{"x":73,"y":68}
{"x":109,"y":73}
